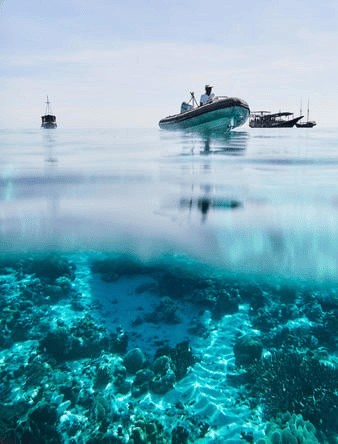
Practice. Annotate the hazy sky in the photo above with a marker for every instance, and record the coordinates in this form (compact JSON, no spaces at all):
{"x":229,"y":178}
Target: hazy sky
{"x":114,"y":63}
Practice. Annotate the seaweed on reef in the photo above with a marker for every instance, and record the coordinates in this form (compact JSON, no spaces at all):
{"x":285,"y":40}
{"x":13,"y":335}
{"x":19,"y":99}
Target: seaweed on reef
{"x":297,"y":383}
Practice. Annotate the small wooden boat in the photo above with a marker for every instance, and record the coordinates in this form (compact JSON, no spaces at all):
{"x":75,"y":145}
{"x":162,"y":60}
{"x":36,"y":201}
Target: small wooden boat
{"x":48,"y":119}
{"x":265,"y":119}
{"x":308,"y":123}
{"x":221,"y":114}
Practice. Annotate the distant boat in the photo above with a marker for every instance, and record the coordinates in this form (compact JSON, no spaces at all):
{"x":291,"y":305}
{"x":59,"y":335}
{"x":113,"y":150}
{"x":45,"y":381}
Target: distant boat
{"x":221,"y":114}
{"x":308,"y":123}
{"x":265,"y":119}
{"x":48,"y":119}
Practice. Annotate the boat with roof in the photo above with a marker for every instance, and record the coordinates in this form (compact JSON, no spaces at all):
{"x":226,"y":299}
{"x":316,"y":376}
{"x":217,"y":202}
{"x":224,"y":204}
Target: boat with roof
{"x":220,"y":113}
{"x":48,"y":119}
{"x":266,"y":119}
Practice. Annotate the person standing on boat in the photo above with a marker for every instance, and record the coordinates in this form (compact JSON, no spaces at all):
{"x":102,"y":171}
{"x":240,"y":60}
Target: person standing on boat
{"x":207,"y":96}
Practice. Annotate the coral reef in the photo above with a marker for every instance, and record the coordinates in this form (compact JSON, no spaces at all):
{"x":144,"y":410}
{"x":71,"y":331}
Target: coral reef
{"x":65,"y":377}
{"x":298,"y":383}
{"x":83,"y":339}
{"x":289,"y":429}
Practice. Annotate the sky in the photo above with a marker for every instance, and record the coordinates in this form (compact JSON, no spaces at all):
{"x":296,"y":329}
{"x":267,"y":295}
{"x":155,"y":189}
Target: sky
{"x":120,"y":64}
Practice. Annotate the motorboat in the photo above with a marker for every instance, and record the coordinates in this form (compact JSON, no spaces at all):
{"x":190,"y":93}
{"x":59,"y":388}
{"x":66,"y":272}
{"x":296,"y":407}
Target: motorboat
{"x":219,"y":114}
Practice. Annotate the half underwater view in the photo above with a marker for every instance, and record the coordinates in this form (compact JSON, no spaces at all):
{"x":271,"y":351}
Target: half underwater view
{"x":163,"y":287}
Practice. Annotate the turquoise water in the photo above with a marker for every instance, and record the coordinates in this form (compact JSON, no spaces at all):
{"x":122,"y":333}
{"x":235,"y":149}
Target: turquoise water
{"x":168,"y":287}
{"x":257,"y":200}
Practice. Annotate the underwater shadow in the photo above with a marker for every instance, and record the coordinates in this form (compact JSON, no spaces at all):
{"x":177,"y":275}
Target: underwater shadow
{"x":204,"y":204}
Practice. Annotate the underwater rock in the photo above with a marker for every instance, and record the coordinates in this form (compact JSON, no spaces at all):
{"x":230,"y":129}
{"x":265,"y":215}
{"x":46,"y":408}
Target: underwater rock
{"x":254,"y":295}
{"x":120,"y":382}
{"x":247,"y":436}
{"x":71,"y":425}
{"x":227,"y":302}
{"x":50,"y":267}
{"x":266,"y":318}
{"x":247,"y":350}
{"x":134,"y":360}
{"x":162,"y":364}
{"x":54,"y":293}
{"x":138,"y":436}
{"x":314,"y":312}
{"x":39,"y":425}
{"x":328,"y":299}
{"x":287,"y":293}
{"x":178,"y":284}
{"x":218,"y":300}
{"x":164,"y":379}
{"x":161,"y":384}
{"x":83,"y":339}
{"x":166,"y":312}
{"x":20,"y":320}
{"x":182,"y":358}
{"x":141,"y":382}
{"x":119,"y":341}
{"x":179,"y":435}
{"x":104,"y":375}
{"x":146,"y":430}
{"x":198,"y":328}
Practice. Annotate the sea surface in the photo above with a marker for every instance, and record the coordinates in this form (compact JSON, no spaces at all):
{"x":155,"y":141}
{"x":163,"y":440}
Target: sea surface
{"x":169,"y":287}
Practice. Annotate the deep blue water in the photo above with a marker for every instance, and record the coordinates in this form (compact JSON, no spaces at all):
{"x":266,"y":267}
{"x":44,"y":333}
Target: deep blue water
{"x":256,"y":200}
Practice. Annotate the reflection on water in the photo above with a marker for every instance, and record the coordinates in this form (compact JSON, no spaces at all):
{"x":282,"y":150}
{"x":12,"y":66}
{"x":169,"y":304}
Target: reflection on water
{"x":230,"y":143}
{"x":49,"y":142}
{"x":221,"y":198}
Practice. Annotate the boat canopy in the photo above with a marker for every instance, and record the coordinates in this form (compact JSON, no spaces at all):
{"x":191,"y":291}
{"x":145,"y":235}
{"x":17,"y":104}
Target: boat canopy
{"x":269,"y":115}
{"x":48,"y":118}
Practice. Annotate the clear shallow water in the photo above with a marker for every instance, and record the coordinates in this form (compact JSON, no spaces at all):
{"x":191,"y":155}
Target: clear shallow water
{"x":255,"y":201}
{"x":177,"y":245}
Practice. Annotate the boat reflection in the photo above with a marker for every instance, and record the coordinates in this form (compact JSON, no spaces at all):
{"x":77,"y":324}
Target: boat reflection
{"x":233,"y":143}
{"x":49,"y":143}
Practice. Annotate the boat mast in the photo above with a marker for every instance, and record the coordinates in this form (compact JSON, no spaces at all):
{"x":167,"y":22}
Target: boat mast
{"x":308,"y":105}
{"x":47,"y":106}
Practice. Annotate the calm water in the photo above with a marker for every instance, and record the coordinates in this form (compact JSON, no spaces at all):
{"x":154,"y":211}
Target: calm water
{"x":257,"y":200}
{"x":188,"y":332}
